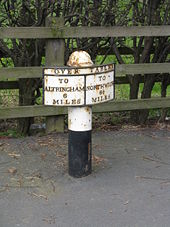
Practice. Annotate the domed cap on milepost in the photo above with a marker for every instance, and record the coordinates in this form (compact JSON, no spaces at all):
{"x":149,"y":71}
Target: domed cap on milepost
{"x":79,"y":59}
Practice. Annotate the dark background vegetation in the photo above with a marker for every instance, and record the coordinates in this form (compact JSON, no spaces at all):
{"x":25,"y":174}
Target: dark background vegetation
{"x":20,"y":52}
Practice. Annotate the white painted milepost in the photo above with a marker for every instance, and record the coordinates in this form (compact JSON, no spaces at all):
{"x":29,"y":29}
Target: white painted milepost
{"x":80,"y":126}
{"x":79,"y":86}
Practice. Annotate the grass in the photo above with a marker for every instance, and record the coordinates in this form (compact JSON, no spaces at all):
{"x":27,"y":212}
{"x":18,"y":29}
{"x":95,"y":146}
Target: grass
{"x":122,"y":92}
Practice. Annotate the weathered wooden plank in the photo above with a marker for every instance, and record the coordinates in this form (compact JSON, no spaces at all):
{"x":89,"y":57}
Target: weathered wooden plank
{"x":147,"y":68}
{"x":28,"y":32}
{"x":116,"y":31}
{"x":36,"y":72}
{"x":14,"y":84}
{"x":20,"y":72}
{"x":118,"y":80}
{"x":54,"y":55}
{"x":30,"y":111}
{"x":113,"y":106}
{"x":9,"y":85}
{"x":139,"y":104}
{"x":82,"y":32}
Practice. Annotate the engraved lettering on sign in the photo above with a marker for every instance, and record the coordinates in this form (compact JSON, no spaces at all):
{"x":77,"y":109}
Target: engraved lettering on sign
{"x":78,"y":86}
{"x":78,"y":71}
{"x":66,"y":102}
{"x":64,"y":89}
{"x":102,"y":78}
{"x":63,"y":80}
{"x":100,"y":98}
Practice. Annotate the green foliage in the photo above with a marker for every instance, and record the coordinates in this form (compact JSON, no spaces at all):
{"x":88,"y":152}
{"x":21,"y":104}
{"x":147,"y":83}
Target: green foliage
{"x":43,"y":61}
{"x":6,"y":62}
{"x":108,"y":59}
{"x":122,"y":91}
{"x":10,"y":133}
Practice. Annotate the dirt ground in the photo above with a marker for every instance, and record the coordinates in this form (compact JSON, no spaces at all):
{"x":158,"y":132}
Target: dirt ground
{"x":129,"y":185}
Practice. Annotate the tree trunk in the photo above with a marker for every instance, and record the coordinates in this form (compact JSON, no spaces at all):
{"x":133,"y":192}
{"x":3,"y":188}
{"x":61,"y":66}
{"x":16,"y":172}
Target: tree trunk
{"x":134,"y":89}
{"x":146,"y":93}
{"x":27,"y":88}
{"x":25,"y":99}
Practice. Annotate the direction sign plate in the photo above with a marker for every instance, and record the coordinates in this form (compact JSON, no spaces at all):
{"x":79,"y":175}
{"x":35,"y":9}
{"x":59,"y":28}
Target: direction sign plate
{"x":66,"y":86}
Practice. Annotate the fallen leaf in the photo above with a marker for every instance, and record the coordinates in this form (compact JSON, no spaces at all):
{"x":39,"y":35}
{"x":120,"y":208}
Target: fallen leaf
{"x":39,"y":196}
{"x":97,"y":159}
{"x":126,"y":203}
{"x":14,"y":155}
{"x":60,"y":155}
{"x":50,"y":220}
{"x":43,"y":156}
{"x":12,"y":170}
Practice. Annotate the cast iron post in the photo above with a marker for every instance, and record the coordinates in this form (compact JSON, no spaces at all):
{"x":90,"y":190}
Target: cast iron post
{"x":80,"y":127}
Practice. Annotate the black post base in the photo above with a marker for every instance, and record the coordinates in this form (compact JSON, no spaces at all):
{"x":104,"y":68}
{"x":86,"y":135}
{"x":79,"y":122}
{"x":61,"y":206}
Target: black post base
{"x":79,"y":153}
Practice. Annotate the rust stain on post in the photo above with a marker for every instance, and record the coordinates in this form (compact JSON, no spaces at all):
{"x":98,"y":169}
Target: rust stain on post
{"x":79,"y":58}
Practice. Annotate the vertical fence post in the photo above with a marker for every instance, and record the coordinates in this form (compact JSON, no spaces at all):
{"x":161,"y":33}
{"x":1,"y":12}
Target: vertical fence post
{"x":54,"y":56}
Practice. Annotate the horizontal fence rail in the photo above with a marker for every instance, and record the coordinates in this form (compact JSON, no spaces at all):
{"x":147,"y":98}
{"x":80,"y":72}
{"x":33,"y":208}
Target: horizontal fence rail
{"x":113,"y":106}
{"x":121,"y":69}
{"x":118,"y":80}
{"x":82,"y":32}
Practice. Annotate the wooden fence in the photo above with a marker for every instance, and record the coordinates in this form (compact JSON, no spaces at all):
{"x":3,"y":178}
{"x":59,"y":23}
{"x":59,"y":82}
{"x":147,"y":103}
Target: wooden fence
{"x":55,"y":35}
